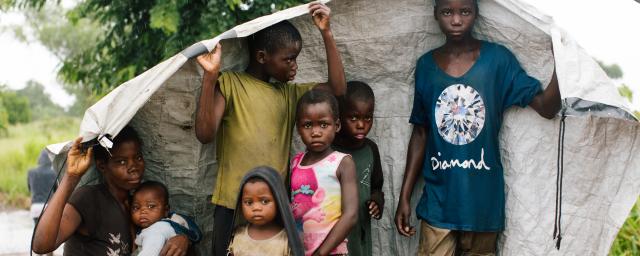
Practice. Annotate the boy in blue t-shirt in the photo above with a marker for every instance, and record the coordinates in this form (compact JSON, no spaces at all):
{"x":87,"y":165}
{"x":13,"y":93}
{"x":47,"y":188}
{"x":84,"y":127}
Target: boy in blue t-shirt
{"x":462,"y":90}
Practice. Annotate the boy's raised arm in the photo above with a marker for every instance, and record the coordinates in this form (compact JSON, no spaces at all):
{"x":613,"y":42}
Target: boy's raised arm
{"x":211,"y":104}
{"x":60,"y":220}
{"x":337,"y":83}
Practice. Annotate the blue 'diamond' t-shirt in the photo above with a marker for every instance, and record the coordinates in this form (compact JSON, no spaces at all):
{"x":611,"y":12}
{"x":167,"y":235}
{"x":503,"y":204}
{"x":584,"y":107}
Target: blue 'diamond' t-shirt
{"x":464,"y":183}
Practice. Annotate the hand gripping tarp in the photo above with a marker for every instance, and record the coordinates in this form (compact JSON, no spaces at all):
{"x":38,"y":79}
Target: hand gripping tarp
{"x":380,"y":42}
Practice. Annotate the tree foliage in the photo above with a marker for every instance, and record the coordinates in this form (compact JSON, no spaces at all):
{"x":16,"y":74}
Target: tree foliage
{"x":16,"y":106}
{"x":67,"y":37}
{"x":4,"y":119}
{"x":626,"y":92}
{"x":135,"y":35}
{"x":40,"y":103}
{"x":613,"y":71}
{"x":58,"y":30}
{"x":6,"y":4}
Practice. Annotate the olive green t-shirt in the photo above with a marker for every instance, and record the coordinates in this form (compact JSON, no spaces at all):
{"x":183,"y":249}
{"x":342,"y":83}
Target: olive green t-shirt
{"x":256,"y":129}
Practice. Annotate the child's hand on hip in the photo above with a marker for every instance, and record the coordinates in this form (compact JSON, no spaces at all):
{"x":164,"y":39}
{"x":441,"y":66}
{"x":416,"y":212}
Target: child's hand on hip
{"x":374,"y":209}
{"x":212,"y":61}
{"x":77,"y":161}
{"x":320,"y":14}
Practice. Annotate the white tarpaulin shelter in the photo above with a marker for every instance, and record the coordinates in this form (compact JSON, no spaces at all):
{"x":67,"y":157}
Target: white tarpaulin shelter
{"x":380,"y":41}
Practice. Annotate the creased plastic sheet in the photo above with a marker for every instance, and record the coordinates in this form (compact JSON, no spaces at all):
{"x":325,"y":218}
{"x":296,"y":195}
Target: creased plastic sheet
{"x":109,"y":115}
{"x":380,"y":42}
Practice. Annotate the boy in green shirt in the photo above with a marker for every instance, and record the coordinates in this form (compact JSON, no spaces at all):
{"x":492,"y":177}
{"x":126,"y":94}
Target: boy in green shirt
{"x":252,"y":116}
{"x":356,"y":116}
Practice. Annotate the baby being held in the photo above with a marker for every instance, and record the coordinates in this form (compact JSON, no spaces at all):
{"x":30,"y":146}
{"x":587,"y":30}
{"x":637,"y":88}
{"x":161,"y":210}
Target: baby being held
{"x":150,"y":213}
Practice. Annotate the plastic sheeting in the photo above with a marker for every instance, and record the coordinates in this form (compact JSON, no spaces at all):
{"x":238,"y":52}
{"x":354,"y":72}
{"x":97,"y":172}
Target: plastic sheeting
{"x":380,"y":42}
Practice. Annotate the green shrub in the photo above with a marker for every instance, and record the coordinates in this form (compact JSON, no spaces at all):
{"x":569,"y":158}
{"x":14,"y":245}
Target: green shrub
{"x":17,"y":107}
{"x":19,"y":152}
{"x":4,"y":120}
{"x":628,"y":240}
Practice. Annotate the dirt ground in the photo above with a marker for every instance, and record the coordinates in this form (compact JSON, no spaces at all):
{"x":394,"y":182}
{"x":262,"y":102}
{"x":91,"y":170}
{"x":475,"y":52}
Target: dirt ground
{"x":16,"y":227}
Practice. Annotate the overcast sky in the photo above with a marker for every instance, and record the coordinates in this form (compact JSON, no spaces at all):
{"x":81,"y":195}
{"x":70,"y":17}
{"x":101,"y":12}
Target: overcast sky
{"x":608,"y":30}
{"x":22,"y":62}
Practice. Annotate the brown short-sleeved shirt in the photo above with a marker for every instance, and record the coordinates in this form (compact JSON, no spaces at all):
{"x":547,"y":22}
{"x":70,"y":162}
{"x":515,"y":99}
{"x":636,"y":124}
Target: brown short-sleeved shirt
{"x":108,"y":225}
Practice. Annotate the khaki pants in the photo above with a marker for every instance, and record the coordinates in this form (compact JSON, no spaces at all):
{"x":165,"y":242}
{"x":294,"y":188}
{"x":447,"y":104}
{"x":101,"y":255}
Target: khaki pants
{"x":443,"y":242}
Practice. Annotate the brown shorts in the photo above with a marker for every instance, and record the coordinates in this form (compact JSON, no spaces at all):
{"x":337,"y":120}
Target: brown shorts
{"x":443,"y":242}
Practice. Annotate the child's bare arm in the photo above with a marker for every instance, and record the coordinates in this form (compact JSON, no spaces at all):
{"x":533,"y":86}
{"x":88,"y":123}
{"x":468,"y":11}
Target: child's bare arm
{"x":547,"y":103}
{"x":415,"y":160}
{"x":376,"y":205}
{"x":211,"y":104}
{"x":337,"y":83}
{"x":349,"y":217}
{"x":60,"y":220}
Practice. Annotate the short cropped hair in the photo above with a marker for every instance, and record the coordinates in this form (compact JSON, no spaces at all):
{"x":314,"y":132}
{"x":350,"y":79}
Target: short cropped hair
{"x":316,"y":96}
{"x":274,"y":37}
{"x":357,"y":90}
{"x":150,"y":185}
{"x":126,"y":134}
{"x":475,"y":3}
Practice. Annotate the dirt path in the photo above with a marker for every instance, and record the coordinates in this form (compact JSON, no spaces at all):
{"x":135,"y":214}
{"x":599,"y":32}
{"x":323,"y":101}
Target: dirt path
{"x":16,"y":227}
{"x":15,"y":231}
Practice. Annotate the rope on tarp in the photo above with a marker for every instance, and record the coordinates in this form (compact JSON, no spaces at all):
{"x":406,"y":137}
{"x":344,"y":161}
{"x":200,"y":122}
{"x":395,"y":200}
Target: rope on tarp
{"x":105,"y":141}
{"x":557,"y":226}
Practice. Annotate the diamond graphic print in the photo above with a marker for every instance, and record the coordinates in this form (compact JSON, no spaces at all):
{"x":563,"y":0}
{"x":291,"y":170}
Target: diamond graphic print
{"x":460,"y":114}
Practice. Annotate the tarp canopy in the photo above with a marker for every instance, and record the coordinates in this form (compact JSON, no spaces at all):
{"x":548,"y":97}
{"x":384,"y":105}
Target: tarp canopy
{"x":380,"y":41}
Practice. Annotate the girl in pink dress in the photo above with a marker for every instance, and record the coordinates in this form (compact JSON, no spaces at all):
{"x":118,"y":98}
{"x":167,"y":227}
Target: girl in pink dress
{"x":323,"y":181}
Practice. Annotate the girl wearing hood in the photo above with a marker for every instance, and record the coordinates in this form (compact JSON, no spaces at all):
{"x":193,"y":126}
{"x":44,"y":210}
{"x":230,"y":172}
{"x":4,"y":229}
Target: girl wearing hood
{"x":265,"y":225}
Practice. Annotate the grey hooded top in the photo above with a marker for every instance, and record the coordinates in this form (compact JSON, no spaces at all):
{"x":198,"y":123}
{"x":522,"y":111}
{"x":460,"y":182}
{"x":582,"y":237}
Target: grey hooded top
{"x":41,"y":179}
{"x":280,"y":195}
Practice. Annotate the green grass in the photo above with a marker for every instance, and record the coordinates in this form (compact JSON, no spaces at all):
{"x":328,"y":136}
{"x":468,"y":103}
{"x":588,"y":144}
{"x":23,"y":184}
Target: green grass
{"x":628,"y":240}
{"x":19,"y":151}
